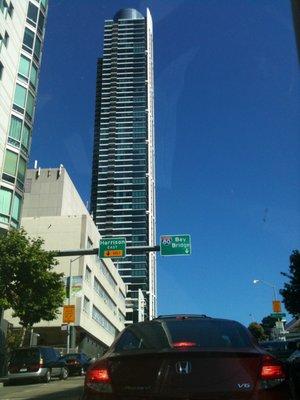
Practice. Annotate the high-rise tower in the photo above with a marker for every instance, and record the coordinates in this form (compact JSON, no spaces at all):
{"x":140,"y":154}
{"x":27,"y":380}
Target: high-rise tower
{"x":123,"y":180}
{"x":22,"y":28}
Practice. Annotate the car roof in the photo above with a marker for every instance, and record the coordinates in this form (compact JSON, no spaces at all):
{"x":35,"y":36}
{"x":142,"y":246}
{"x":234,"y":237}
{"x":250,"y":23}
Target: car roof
{"x":182,"y":316}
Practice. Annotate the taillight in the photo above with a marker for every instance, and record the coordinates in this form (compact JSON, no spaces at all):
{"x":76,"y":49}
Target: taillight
{"x":97,"y":378}
{"x":272,"y":372}
{"x":98,"y":375}
{"x":271,"y":369}
{"x":184,"y":344}
{"x":34,"y":367}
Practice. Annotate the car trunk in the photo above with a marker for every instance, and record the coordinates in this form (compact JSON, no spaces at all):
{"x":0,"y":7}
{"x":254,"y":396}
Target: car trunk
{"x":25,"y":360}
{"x":209,"y":375}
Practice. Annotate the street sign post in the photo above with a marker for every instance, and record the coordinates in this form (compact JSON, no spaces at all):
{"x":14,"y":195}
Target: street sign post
{"x":175,"y":245}
{"x":112,"y":247}
{"x":69,"y":314}
{"x":278,"y":315}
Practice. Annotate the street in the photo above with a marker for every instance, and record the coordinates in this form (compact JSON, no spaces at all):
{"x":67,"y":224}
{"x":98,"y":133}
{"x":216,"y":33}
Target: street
{"x":69,"y":389}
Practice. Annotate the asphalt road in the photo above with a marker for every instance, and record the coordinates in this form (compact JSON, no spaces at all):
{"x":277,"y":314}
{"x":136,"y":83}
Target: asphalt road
{"x":69,"y":389}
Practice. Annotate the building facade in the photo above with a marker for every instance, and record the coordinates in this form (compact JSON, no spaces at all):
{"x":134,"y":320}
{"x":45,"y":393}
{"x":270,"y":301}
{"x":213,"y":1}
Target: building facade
{"x":22,"y":29}
{"x":54,"y":211}
{"x":123,"y":178}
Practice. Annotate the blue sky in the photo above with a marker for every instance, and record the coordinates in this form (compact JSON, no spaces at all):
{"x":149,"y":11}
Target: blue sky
{"x":227,"y":102}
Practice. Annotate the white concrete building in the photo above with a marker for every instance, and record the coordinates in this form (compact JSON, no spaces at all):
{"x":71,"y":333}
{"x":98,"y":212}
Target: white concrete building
{"x":22,"y":28}
{"x":54,"y":211}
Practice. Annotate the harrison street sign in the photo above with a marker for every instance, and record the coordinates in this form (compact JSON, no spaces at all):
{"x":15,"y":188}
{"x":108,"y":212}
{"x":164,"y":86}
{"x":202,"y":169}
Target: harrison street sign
{"x":112,"y":247}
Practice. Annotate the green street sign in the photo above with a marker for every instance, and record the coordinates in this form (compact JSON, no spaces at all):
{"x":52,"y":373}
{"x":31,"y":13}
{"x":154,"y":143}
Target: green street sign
{"x":175,"y":245}
{"x":278,"y":315}
{"x":113,"y":247}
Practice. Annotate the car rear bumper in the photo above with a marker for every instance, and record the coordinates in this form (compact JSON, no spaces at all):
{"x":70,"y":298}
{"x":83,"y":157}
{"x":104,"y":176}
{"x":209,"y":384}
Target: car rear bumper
{"x":265,"y":395}
{"x":74,"y":369}
{"x":27,"y":375}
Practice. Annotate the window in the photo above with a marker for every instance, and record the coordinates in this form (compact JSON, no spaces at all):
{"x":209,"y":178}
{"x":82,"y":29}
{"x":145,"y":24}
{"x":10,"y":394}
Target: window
{"x":25,"y":137}
{"x":28,"y":39}
{"x":101,"y":320}
{"x":41,"y":22}
{"x":89,"y":243}
{"x":5,"y":202}
{"x":20,"y":96}
{"x":32,"y":12}
{"x":86,"y":305}
{"x":44,"y":3}
{"x":10,"y":10}
{"x":15,"y":128}
{"x":16,"y":208}
{"x":21,"y":170}
{"x":37,"y":48}
{"x":10,"y":163}
{"x":108,"y":275}
{"x":33,"y":75}
{"x":5,"y":40}
{"x":24,"y":67}
{"x":30,"y":105}
{"x":88,"y":275}
{"x":3,"y":4}
{"x":99,"y":289}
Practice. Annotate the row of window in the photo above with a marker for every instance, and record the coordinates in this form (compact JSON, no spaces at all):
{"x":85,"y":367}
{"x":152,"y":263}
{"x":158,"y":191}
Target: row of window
{"x":99,"y":289}
{"x":128,"y":133}
{"x":140,"y":206}
{"x":126,"y":181}
{"x":99,"y":317}
{"x":103,"y":321}
{"x":108,"y":275}
{"x":127,"y":218}
{"x":125,"y":175}
{"x":10,"y":204}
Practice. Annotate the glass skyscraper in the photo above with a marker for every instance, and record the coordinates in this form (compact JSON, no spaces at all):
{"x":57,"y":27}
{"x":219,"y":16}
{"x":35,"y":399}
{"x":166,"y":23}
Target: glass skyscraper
{"x":123,"y":179}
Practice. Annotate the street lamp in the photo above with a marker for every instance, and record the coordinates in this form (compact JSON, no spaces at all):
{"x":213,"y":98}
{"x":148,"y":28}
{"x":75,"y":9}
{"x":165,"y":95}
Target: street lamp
{"x":69,"y":301}
{"x":268,"y":284}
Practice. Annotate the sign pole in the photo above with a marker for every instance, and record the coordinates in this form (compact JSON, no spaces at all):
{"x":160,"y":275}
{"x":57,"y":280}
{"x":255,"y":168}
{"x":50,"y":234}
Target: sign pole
{"x":69,"y":303}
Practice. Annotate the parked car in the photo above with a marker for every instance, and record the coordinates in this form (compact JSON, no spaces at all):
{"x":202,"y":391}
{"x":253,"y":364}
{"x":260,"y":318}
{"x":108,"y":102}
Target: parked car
{"x":40,"y":363}
{"x":280,"y":349}
{"x":293,"y":364}
{"x":186,"y":357}
{"x":77,"y":363}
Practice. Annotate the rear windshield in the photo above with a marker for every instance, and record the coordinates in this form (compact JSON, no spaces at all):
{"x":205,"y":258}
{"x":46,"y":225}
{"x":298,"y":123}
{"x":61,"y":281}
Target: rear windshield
{"x":200,"y":334}
{"x":25,"y":356}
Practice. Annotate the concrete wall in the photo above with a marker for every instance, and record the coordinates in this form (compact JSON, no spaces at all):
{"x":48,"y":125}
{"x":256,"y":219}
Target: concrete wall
{"x":51,"y":192}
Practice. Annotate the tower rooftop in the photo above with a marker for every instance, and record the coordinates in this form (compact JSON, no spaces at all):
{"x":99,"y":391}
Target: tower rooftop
{"x":128,"y":13}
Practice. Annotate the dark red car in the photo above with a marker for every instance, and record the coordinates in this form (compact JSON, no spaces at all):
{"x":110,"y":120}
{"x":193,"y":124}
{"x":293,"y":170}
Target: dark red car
{"x":186,"y":357}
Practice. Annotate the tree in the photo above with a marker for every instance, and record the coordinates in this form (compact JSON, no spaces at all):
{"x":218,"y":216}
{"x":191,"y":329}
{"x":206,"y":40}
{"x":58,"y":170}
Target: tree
{"x":257,"y":331}
{"x":268,"y":323}
{"x":28,"y":283}
{"x":291,"y":290}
